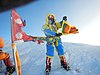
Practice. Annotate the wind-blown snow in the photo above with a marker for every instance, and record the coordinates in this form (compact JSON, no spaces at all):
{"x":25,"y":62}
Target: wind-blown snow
{"x":81,"y":57}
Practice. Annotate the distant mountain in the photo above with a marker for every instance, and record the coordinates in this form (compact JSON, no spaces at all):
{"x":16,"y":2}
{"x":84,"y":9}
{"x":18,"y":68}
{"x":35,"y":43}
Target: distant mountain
{"x":81,"y":57}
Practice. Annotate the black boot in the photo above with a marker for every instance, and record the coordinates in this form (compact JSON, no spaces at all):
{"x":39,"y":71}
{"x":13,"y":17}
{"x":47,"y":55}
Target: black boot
{"x":10,"y":70}
{"x":64,"y":64}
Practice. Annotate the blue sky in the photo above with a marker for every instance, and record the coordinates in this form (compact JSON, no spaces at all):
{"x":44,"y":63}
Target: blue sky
{"x":84,"y":14}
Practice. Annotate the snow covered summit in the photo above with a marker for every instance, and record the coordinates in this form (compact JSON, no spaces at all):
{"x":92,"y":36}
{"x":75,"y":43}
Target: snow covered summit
{"x":83,"y":59}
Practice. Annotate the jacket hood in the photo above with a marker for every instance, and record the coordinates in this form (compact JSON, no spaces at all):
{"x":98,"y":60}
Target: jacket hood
{"x":48,"y":16}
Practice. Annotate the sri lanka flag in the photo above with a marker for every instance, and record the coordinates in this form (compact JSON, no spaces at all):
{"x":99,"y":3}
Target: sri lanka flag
{"x":69,"y":29}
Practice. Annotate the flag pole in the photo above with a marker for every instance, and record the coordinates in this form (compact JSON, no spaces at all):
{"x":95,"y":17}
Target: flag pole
{"x":14,"y":48}
{"x":14,"y":58}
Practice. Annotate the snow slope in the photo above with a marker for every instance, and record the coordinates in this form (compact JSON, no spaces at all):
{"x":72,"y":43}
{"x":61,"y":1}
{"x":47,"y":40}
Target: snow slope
{"x":84,"y":58}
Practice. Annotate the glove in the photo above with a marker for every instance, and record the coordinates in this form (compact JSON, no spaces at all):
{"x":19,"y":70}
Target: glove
{"x":58,"y":34}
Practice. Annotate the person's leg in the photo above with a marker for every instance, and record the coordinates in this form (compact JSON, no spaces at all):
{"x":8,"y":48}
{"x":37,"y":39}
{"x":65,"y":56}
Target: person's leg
{"x":50,"y":54}
{"x":64,"y":64}
{"x":60,"y":51}
{"x":48,"y":64}
{"x":9,"y":65}
{"x":59,"y":47}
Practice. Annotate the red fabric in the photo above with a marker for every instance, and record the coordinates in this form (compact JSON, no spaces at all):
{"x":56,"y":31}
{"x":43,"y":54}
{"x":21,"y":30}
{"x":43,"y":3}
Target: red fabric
{"x":40,"y":41}
{"x":17,"y":25}
{"x":73,"y":30}
{"x":48,"y":60}
{"x":8,"y":62}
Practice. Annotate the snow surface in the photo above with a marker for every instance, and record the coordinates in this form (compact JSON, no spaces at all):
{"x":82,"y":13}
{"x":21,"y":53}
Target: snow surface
{"x":81,"y":57}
